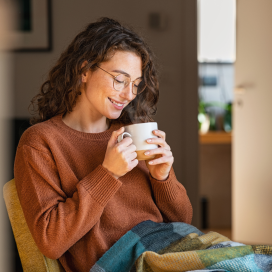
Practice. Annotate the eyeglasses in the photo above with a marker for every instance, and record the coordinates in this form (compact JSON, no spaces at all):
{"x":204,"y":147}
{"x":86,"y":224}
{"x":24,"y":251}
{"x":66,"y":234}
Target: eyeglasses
{"x":121,"y":81}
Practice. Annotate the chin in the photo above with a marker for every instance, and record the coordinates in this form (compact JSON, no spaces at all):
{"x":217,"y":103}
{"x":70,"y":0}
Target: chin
{"x":113,"y":116}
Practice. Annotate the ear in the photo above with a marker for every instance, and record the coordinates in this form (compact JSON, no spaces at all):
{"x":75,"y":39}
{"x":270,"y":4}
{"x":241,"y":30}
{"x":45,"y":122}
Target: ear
{"x":84,"y":75}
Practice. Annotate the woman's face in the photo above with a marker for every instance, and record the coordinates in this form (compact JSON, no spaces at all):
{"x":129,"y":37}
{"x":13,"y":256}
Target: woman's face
{"x":99,"y":95}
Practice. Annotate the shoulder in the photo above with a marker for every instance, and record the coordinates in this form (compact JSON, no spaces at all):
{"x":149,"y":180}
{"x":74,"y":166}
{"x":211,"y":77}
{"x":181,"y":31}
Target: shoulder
{"x":38,"y":135}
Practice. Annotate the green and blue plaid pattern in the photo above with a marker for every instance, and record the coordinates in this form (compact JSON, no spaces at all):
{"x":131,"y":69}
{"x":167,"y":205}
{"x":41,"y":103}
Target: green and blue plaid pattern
{"x":161,"y":247}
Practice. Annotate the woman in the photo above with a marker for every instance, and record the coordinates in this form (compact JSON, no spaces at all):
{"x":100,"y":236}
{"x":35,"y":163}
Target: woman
{"x":80,"y":190}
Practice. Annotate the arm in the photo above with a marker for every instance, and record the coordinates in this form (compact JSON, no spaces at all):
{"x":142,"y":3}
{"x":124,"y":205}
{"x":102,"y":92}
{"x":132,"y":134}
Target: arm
{"x":171,"y":199}
{"x":170,"y":195}
{"x":55,"y":220}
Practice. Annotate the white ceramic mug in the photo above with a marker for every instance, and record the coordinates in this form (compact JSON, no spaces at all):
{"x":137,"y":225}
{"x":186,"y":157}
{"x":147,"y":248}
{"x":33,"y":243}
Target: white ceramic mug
{"x":139,"y":133}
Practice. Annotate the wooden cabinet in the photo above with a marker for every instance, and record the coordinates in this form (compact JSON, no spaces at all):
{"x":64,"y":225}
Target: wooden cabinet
{"x":215,"y":177}
{"x":215,"y":137}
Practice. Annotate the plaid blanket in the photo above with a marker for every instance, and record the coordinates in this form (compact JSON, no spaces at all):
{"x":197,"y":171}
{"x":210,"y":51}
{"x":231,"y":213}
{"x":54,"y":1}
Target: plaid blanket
{"x":178,"y":246}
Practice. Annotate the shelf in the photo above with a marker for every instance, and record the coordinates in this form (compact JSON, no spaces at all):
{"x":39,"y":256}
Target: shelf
{"x":215,"y":137}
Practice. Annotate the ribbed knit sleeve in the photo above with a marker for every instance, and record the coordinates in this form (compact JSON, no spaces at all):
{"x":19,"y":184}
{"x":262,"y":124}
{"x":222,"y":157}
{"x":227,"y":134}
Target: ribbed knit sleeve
{"x":172,"y":200}
{"x":57,"y":221}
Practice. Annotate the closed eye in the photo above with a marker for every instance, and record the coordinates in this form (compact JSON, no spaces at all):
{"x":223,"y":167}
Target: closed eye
{"x":119,"y":81}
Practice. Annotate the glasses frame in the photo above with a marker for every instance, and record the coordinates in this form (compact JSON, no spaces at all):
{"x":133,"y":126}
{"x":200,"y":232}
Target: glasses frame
{"x":114,"y":77}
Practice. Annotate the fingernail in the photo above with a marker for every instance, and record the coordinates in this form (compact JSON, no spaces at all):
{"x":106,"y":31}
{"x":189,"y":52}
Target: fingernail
{"x":151,"y":162}
{"x":147,"y":153}
{"x":149,"y":140}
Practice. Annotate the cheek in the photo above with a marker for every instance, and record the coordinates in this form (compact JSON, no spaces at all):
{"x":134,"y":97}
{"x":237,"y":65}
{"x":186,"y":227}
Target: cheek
{"x":93,"y":91}
{"x":98,"y":89}
{"x":103,"y":88}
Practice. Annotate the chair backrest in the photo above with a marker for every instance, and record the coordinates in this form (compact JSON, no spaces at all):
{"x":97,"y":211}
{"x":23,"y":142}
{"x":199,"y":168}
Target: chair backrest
{"x":31,"y":258}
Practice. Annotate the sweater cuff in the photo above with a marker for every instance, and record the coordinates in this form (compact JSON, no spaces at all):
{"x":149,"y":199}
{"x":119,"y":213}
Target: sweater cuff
{"x":166,"y":190}
{"x":101,"y":185}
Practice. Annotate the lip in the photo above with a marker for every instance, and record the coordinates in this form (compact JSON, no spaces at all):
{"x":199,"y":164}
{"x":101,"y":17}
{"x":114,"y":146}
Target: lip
{"x":115,"y":106}
{"x":117,"y":101}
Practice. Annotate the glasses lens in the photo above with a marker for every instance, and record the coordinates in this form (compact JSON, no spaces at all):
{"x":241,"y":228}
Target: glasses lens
{"x":120,"y":82}
{"x":139,"y":86}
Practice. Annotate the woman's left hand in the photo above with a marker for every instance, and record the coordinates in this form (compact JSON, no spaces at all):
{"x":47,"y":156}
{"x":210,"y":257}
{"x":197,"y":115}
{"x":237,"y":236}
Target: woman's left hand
{"x":160,"y":166}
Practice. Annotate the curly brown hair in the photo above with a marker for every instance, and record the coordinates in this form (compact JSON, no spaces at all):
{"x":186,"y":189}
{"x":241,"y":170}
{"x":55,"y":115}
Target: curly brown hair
{"x":95,"y":44}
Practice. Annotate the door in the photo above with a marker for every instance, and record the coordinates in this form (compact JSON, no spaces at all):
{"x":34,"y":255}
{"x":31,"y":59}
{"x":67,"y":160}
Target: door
{"x":252,"y":122}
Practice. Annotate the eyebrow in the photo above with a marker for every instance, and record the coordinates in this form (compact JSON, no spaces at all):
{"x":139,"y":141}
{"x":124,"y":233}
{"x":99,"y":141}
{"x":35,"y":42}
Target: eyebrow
{"x":123,"y":72}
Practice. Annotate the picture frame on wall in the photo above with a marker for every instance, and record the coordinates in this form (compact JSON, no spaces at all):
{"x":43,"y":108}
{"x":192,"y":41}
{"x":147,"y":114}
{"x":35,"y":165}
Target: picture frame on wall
{"x":34,"y":27}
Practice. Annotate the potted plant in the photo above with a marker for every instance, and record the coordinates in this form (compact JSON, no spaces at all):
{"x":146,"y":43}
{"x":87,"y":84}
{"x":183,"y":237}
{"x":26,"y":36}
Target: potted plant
{"x":207,"y":118}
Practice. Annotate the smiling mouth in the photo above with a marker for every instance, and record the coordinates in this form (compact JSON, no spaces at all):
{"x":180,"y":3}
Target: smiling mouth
{"x":114,"y":102}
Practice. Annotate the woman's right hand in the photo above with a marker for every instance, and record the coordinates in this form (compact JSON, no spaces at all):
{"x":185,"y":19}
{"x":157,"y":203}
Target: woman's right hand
{"x":120,"y":158}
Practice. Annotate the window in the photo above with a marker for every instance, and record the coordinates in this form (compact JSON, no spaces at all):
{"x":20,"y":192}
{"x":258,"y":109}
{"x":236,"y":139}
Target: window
{"x":216,"y":30}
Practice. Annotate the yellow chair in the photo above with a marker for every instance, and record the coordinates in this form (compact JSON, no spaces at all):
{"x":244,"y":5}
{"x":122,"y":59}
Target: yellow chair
{"x":31,"y":258}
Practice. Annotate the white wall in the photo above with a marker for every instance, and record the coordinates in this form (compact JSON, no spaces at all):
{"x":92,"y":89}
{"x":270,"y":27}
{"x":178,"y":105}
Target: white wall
{"x":216,"y":30}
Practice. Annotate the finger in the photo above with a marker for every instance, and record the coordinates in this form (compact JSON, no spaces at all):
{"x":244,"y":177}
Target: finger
{"x":160,"y":150}
{"x":125,"y":142}
{"x":115,"y":134}
{"x":160,"y":133}
{"x":134,"y":163}
{"x":123,"y":146}
{"x":132,"y":156}
{"x":127,"y":150}
{"x":164,"y":159}
{"x":159,"y":141}
{"x":131,"y":148}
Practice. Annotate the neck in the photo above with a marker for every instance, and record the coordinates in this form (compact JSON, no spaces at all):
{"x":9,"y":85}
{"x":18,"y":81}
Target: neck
{"x":85,"y":123}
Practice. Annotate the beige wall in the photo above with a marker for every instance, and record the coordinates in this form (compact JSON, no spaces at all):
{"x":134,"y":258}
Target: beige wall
{"x":252,"y":145}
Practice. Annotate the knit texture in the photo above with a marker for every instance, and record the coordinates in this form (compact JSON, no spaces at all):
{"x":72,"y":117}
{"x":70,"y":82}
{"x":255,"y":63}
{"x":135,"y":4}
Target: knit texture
{"x":161,"y":247}
{"x":74,"y":208}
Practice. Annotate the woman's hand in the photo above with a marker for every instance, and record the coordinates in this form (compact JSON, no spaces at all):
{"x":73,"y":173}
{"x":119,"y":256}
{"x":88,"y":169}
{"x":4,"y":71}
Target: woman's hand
{"x":120,"y":158}
{"x":159,"y":167}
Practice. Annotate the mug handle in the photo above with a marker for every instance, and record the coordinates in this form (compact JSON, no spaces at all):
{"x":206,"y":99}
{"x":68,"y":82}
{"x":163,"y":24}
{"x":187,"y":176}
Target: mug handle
{"x":121,"y":136}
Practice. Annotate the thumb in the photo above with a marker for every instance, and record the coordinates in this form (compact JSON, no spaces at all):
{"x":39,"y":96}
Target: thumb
{"x":114,"y":136}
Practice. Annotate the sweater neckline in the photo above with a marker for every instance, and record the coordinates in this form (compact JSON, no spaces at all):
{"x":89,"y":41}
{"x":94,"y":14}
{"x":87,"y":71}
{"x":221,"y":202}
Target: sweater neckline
{"x":57,"y":120}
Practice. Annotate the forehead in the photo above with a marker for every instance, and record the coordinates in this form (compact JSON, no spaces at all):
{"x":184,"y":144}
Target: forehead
{"x":128,"y":62}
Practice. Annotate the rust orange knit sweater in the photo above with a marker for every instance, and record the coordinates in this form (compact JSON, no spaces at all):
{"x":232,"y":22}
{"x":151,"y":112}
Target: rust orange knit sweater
{"x":74,"y":208}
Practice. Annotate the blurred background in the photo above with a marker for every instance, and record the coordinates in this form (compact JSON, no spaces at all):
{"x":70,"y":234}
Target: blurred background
{"x":215,"y":91}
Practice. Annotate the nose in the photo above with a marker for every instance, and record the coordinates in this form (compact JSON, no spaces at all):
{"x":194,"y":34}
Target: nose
{"x":126,"y":93}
